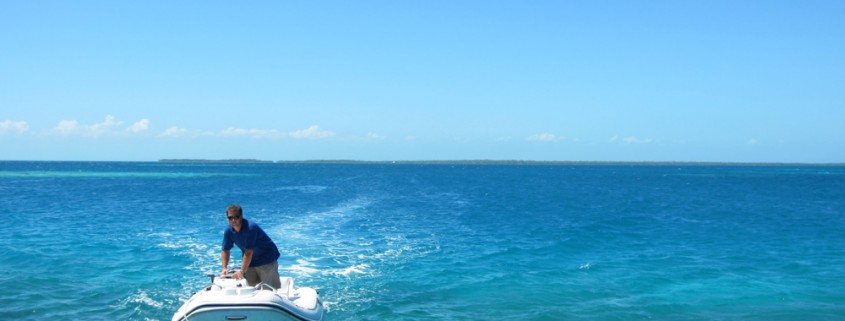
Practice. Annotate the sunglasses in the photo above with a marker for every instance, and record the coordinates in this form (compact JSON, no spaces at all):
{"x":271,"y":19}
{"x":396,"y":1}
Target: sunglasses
{"x":236,"y":217}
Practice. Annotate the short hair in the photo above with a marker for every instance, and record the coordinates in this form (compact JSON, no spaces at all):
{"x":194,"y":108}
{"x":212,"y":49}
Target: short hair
{"x":235,"y":208}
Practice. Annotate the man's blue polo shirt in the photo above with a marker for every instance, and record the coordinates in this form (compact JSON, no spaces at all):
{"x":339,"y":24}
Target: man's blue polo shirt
{"x":252,"y":237}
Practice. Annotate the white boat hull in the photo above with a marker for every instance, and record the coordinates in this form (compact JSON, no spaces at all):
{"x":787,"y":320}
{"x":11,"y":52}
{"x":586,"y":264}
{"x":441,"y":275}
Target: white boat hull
{"x":230,"y":299}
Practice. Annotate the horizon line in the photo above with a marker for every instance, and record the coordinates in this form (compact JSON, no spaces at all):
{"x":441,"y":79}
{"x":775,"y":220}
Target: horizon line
{"x":495,"y":162}
{"x":453,"y":162}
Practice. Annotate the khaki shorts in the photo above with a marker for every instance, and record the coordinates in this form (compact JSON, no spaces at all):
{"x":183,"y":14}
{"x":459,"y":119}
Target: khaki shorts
{"x":267,"y":273}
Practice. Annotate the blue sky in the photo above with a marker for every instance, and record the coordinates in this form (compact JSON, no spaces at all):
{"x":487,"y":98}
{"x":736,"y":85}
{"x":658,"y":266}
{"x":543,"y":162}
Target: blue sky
{"x":736,"y":81}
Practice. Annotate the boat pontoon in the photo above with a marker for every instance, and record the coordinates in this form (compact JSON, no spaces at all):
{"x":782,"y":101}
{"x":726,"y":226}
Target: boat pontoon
{"x":227,"y":298}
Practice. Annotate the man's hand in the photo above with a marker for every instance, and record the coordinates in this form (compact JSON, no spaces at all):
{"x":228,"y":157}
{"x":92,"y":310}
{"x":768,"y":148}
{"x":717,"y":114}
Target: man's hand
{"x":224,"y":272}
{"x":238,"y":275}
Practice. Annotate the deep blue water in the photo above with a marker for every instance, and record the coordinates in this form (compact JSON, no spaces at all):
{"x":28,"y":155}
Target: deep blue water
{"x":132,"y":241}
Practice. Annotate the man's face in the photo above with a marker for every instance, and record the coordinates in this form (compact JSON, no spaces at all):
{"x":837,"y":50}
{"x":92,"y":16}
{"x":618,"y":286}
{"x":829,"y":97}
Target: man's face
{"x":235,"y":220}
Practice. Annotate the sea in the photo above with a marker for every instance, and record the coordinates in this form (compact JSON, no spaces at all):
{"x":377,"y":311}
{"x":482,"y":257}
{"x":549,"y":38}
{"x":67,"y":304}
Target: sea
{"x":419,"y":241}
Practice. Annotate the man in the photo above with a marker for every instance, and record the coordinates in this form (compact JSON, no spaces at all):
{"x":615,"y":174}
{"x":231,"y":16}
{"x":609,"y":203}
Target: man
{"x":259,"y":251}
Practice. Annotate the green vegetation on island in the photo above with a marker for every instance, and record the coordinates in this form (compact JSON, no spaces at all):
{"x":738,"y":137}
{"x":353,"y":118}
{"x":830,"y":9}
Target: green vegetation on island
{"x":181,"y":160}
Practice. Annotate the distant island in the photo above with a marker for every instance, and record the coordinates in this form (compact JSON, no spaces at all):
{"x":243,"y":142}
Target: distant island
{"x":213,"y":161}
{"x":494,"y":162}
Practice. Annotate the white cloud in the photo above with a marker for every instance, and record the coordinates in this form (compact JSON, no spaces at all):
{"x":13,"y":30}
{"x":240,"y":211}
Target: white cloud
{"x":629,"y":140}
{"x":139,"y":126}
{"x":67,"y":127}
{"x":374,"y":136}
{"x":311,"y":132}
{"x":231,"y":131}
{"x":19,"y":127}
{"x":635,"y":140}
{"x":174,"y":132}
{"x":109,"y":125}
{"x":255,"y":133}
{"x":104,"y":127}
{"x":544,"y":137}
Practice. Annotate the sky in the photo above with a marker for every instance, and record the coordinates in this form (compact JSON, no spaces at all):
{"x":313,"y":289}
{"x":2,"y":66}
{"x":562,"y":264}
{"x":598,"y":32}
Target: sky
{"x":689,"y":81}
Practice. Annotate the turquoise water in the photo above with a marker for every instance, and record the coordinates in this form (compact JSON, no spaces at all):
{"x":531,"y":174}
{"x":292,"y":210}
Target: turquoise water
{"x":132,"y":241}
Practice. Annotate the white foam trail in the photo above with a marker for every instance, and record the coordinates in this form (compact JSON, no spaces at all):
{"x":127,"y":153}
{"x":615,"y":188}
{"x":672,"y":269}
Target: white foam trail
{"x":141,"y":297}
{"x":303,"y":267}
{"x":359,"y":269}
{"x":302,"y":270}
{"x":319,"y":229}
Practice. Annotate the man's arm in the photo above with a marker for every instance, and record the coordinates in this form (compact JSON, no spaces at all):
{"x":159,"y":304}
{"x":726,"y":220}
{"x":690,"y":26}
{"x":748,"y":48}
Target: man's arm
{"x":224,"y":258}
{"x":247,"y":261}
